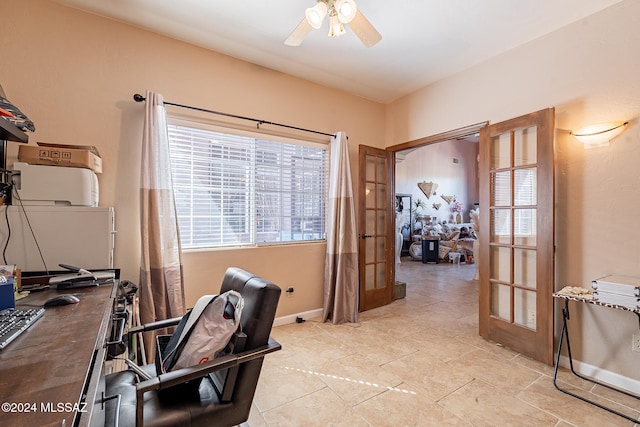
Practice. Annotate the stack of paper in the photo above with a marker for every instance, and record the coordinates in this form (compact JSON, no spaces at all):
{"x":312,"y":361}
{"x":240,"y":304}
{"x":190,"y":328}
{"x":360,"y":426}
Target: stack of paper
{"x":618,"y":290}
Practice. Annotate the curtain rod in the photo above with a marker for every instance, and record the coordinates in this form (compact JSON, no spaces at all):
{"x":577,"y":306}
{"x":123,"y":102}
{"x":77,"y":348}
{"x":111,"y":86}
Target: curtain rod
{"x":139,"y":98}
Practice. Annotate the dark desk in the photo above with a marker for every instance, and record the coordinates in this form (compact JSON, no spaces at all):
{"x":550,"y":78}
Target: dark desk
{"x":55,"y":365}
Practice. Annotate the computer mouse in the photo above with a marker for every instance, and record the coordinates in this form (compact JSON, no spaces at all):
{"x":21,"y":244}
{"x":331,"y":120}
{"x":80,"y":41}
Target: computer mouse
{"x":62,"y":300}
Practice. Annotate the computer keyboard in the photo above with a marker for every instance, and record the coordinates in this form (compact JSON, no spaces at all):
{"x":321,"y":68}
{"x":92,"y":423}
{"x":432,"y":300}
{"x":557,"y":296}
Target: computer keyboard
{"x":13,"y":322}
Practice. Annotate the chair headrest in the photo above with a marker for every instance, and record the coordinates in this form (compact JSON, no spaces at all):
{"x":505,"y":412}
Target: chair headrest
{"x":260,"y":303}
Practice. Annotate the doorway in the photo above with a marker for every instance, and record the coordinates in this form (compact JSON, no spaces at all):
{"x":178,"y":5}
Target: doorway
{"x":516,"y":188}
{"x":439,"y":175}
{"x":439,"y":183}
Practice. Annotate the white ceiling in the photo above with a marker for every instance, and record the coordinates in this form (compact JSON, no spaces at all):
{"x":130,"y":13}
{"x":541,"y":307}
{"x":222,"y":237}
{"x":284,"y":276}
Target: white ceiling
{"x":422,"y":40}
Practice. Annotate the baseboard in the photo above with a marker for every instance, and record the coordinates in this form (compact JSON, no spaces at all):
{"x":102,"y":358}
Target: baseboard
{"x":285,"y":320}
{"x":616,"y":380}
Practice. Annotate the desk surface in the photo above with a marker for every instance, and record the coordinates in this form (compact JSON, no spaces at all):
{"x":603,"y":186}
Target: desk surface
{"x":43,"y":371}
{"x":591,"y":300}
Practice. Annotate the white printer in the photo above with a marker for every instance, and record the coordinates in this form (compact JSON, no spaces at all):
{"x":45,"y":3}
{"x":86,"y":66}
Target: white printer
{"x":54,"y":185}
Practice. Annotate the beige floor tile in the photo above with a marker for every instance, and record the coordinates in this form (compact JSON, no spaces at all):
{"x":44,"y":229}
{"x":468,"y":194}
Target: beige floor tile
{"x":318,"y":349}
{"x":498,"y":350}
{"x":542,"y":394}
{"x":406,"y":406}
{"x":437,"y":379}
{"x":293,"y":331}
{"x":494,"y":370}
{"x":484,"y":405}
{"x":283,"y":380}
{"x":564,"y":374}
{"x":322,"y":408}
{"x":390,"y":325}
{"x":616,"y":396}
{"x":356,"y":379}
{"x":379,"y":347}
{"x":444,"y":349}
{"x":255,"y":417}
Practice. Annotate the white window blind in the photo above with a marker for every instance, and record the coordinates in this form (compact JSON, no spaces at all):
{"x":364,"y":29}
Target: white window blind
{"x":235,"y":189}
{"x":523,"y":201}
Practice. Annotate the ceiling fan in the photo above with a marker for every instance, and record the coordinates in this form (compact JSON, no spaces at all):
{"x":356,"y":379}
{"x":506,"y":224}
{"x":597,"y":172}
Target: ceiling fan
{"x":341,"y":13}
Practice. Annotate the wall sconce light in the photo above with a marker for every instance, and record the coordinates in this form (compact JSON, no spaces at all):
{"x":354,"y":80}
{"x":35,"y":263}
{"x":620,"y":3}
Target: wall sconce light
{"x":599,"y":135}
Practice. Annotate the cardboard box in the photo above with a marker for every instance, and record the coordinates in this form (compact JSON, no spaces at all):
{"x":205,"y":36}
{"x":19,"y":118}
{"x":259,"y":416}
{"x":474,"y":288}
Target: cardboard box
{"x":78,"y":156}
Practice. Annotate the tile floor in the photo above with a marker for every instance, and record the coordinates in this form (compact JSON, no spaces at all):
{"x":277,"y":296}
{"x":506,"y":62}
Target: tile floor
{"x":417,"y":362}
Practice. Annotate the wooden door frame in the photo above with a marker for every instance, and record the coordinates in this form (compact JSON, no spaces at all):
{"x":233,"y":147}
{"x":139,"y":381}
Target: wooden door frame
{"x":441,"y":137}
{"x":423,"y":142}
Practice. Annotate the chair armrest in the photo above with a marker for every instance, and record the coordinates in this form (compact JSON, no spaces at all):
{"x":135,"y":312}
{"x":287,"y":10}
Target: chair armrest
{"x":190,"y":373}
{"x":160,"y":324}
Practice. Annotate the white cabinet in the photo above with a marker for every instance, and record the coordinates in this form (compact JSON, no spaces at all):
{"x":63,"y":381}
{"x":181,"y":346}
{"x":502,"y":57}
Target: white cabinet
{"x":79,"y":236}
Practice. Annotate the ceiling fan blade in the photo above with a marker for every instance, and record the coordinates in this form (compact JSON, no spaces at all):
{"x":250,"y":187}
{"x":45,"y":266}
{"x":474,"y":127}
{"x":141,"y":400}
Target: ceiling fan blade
{"x":299,"y":33}
{"x":367,"y":34}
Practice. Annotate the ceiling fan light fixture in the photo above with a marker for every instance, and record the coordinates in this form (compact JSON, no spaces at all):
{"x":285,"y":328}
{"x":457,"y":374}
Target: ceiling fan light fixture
{"x":335,"y":26}
{"x":315,"y":15}
{"x":341,"y":13}
{"x":346,"y":10}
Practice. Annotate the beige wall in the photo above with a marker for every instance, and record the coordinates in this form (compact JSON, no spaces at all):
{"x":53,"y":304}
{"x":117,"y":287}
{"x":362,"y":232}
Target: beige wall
{"x":74,"y":74}
{"x":590,"y":72}
{"x":434,"y":163}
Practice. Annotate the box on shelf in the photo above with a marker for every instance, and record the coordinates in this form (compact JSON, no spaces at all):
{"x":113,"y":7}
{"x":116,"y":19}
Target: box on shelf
{"x":617,"y":299}
{"x":617,"y":290}
{"x":79,"y":156}
{"x":622,"y":285}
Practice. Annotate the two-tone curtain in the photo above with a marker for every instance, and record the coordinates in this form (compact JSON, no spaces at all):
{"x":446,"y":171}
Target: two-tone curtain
{"x":341,"y":262}
{"x":161,"y":276}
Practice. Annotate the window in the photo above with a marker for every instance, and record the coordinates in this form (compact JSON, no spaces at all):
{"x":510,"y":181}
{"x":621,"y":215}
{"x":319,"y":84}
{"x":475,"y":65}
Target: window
{"x":233,"y":188}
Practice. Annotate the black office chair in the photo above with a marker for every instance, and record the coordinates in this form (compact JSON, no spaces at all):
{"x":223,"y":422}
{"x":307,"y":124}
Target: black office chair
{"x":224,"y":387}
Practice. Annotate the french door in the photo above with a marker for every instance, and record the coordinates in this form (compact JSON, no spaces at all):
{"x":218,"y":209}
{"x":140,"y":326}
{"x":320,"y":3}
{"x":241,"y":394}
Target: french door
{"x":375,"y":227}
{"x":517,"y":234}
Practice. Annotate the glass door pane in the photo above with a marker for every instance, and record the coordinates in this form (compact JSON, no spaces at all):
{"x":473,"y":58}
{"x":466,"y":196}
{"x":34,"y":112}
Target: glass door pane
{"x":525,"y":141}
{"x":525,"y":187}
{"x":501,"y":151}
{"x":500,"y":301}
{"x":500,"y":224}
{"x":524,"y":268}
{"x":524,"y":313}
{"x":525,"y":227}
{"x":500,"y":270}
{"x":501,"y":188}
